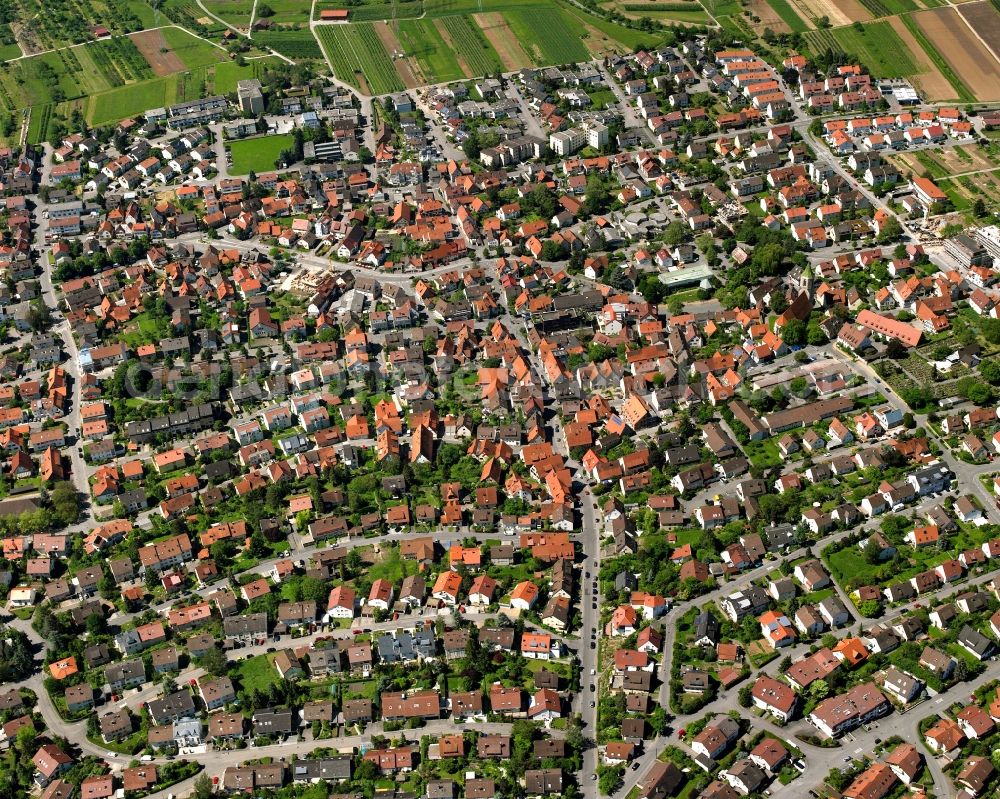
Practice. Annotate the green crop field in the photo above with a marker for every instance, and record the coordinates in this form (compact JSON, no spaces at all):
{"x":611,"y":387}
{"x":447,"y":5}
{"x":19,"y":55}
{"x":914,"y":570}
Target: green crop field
{"x":356,"y":47}
{"x":71,"y":72}
{"x":371,"y":12}
{"x":194,"y":52}
{"x":784,"y":10}
{"x":337,"y":46}
{"x":130,"y":100}
{"x":629,"y":37}
{"x":258,"y":155}
{"x":298,"y":43}
{"x":469,"y":40}
{"x":421,"y":40}
{"x":286,"y":12}
{"x":889,"y":8}
{"x":722,"y":8}
{"x":547,"y":35}
{"x":819,"y":41}
{"x":235,"y":12}
{"x":879,"y":48}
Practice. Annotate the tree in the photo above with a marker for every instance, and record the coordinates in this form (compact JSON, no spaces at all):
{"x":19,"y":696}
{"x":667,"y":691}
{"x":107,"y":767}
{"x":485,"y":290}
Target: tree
{"x":745,"y":696}
{"x":891,"y":230}
{"x":895,"y":349}
{"x":815,"y":335}
{"x":872,"y":551}
{"x":819,"y":689}
{"x":65,"y":502}
{"x":214,"y":662}
{"x":961,"y":670}
{"x":39,"y":316}
{"x":979,"y":208}
{"x":794,"y":332}
{"x":869,"y":608}
{"x":16,"y":659}
{"x":675,"y":234}
{"x":203,"y":786}
{"x":990,"y":370}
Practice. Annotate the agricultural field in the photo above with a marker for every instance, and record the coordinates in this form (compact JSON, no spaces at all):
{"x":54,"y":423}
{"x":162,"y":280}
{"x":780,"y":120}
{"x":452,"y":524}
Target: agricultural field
{"x":235,"y":12}
{"x":960,"y":50}
{"x":192,"y":51}
{"x":72,"y":72}
{"x":371,"y":12}
{"x":548,"y":35}
{"x":688,"y":12}
{"x":38,"y":26}
{"x":357,"y":52}
{"x":258,"y":155}
{"x":930,"y":80}
{"x":457,"y":39}
{"x":789,"y":16}
{"x":889,"y":8}
{"x":984,"y":17}
{"x":498,"y":33}
{"x":421,"y":40}
{"x":297,"y":43}
{"x":877,"y":46}
{"x":467,"y":39}
{"x":286,"y":12}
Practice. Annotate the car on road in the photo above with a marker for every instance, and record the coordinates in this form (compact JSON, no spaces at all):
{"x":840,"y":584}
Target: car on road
{"x":593,"y":672}
{"x":593,"y":704}
{"x":110,"y":754}
{"x":635,"y":765}
{"x":593,"y":645}
{"x":592,"y":688}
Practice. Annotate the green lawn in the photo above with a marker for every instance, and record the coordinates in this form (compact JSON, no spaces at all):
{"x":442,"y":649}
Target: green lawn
{"x":850,"y":563}
{"x":257,"y":673}
{"x":258,"y":154}
{"x":227,"y":74}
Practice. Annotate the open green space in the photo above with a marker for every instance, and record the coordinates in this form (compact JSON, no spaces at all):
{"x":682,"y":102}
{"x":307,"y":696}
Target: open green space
{"x":226,"y":75}
{"x":371,"y":12}
{"x":421,"y":40}
{"x":889,"y":8}
{"x":547,"y":35}
{"x":298,"y":43}
{"x":784,"y":10}
{"x":194,"y":52}
{"x":876,"y":45}
{"x":235,"y":12}
{"x":357,"y":48}
{"x":258,"y":155}
{"x":470,"y":41}
{"x":257,"y":673}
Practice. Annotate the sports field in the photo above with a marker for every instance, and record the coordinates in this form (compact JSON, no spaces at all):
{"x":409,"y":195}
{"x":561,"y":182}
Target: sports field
{"x":258,"y":155}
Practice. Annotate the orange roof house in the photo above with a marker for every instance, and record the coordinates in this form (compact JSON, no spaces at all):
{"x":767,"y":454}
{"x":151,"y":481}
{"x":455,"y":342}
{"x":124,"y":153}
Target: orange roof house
{"x":64,"y":668}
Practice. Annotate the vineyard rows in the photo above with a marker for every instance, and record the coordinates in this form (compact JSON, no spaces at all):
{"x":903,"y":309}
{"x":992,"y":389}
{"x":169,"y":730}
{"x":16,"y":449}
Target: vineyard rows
{"x":292,"y":43}
{"x":470,"y":42}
